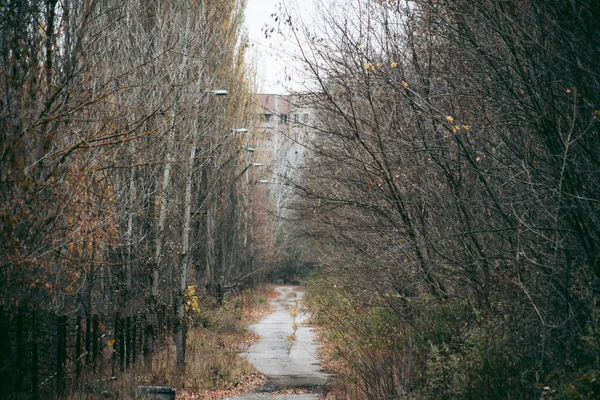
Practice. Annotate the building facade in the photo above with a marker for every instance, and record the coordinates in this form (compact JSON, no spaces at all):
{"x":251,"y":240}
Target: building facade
{"x":287,"y":126}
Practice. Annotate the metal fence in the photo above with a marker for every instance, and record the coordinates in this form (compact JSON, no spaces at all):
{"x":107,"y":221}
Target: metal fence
{"x":43,"y":355}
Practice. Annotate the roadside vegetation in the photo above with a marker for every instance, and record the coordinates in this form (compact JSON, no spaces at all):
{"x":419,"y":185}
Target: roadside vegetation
{"x":126,"y":131}
{"x":216,"y":336}
{"x":293,"y":309}
{"x":451,"y":202}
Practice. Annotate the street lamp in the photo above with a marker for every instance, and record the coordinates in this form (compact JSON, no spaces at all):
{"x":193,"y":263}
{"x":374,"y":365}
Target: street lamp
{"x":246,"y":169}
{"x":262,"y":181}
{"x":218,"y":92}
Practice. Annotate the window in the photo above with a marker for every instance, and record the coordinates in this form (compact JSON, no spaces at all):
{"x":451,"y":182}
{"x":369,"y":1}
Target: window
{"x":296,"y":118}
{"x":268,"y":117}
{"x":305,"y":118}
{"x":283,"y":118}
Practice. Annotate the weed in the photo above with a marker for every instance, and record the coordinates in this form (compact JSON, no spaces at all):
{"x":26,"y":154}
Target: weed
{"x":291,"y":338}
{"x":215,"y":337}
{"x":294,"y":311}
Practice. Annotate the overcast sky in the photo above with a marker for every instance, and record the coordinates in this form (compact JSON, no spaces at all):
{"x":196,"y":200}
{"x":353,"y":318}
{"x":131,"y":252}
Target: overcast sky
{"x":262,"y":51}
{"x":271,"y":56}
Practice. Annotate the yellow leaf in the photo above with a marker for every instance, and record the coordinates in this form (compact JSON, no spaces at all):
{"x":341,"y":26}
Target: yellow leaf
{"x":379,"y":65}
{"x":404,"y":83}
{"x":478,"y":159}
{"x":455,"y":128}
{"x":367,"y":66}
{"x":450,"y":119}
{"x":394,"y":64}
{"x":598,"y":113}
{"x":466,"y":127}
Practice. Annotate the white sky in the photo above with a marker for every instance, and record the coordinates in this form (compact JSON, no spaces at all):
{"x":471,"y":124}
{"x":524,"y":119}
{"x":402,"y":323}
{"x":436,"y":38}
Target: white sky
{"x":262,"y":53}
{"x":267,"y":55}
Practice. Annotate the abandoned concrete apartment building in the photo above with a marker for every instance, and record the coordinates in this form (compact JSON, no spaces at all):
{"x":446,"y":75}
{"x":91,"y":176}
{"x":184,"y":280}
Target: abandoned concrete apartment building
{"x":287,"y":126}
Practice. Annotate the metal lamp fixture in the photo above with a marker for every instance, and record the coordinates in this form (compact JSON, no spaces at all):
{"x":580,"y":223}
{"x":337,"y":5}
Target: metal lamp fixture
{"x":218,"y":92}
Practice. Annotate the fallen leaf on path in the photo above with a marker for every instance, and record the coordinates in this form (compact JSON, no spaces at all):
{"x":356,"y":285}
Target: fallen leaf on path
{"x":250,"y":383}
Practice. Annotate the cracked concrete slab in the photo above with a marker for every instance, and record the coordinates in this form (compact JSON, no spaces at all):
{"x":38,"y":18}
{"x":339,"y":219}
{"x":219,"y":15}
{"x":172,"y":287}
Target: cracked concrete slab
{"x":287,"y":351}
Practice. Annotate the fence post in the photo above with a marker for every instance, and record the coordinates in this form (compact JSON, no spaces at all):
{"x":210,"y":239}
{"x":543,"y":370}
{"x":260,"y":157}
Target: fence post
{"x":128,"y":344}
{"x":95,"y":337}
{"x":34,"y":359}
{"x":78,"y":350}
{"x":61,"y":353}
{"x":219,"y":294}
{"x":4,"y":350}
{"x":148,"y":342}
{"x":162,"y":322}
{"x":122,"y":344}
{"x":88,"y":340}
{"x":19,"y":350}
{"x":115,"y":346}
{"x":135,"y":347}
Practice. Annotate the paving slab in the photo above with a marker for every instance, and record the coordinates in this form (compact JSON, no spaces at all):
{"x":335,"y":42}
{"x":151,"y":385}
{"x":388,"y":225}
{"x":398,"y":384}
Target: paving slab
{"x":270,"y":396}
{"x":287,"y":351}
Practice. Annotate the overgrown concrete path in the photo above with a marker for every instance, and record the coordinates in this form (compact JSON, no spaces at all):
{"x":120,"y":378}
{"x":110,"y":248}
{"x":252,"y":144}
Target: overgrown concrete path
{"x":287,"y":351}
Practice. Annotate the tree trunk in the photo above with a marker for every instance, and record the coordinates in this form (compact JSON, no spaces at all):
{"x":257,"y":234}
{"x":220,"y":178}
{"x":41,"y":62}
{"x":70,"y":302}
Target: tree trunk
{"x":187,"y":213}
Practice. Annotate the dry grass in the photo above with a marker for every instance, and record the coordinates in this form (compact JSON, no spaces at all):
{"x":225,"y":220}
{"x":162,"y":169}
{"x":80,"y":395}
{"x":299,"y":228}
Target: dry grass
{"x":291,"y":338}
{"x":250,"y":383}
{"x":256,"y":304}
{"x":213,"y":362}
{"x":269,"y":291}
{"x":214,"y":367}
{"x":338,"y":387}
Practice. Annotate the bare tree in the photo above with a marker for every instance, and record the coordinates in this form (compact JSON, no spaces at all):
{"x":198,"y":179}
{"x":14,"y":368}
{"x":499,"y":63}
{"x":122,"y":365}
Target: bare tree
{"x":445,"y":196}
{"x":106,"y":139}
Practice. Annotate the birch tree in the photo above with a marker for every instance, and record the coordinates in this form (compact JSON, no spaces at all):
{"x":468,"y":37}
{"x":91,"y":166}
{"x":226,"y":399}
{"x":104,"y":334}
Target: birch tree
{"x":106,"y":138}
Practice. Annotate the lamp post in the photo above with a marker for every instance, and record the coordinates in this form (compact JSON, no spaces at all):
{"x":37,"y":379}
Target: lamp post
{"x":218,"y":92}
{"x":246,"y":169}
{"x":185,"y":239}
{"x":245,"y":190}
